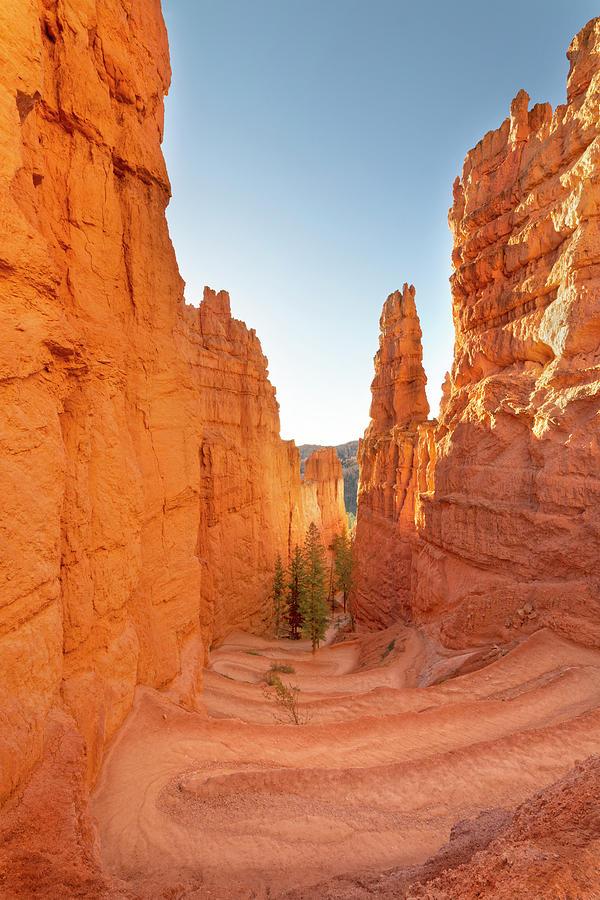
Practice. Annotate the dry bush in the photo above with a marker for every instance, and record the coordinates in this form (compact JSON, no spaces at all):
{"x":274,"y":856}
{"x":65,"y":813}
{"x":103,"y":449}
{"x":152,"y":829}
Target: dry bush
{"x":286,"y":699}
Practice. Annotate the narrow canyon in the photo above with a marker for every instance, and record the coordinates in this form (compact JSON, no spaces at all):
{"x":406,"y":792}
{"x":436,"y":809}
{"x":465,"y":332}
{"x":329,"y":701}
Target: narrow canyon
{"x":448,"y":734}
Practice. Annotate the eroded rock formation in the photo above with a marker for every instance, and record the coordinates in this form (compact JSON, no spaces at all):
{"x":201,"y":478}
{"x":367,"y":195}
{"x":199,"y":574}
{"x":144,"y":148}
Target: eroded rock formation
{"x":511,"y":531}
{"x":347,"y":454}
{"x":385,"y":529}
{"x":509,"y":487}
{"x":323,"y":489}
{"x":145,"y":492}
{"x":145,"y":488}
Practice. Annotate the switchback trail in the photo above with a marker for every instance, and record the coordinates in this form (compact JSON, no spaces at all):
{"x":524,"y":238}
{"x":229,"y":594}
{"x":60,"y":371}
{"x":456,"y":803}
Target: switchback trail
{"x":404,"y":740}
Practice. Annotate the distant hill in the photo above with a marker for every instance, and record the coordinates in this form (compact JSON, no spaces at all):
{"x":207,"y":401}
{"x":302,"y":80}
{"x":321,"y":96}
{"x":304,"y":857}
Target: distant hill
{"x":347,"y":455}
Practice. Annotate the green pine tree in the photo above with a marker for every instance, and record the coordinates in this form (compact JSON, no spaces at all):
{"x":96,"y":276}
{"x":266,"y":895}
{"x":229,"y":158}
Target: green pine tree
{"x":343,"y":560}
{"x":314,"y":607}
{"x":279,"y":598}
{"x":331,"y":576}
{"x":296,"y":589}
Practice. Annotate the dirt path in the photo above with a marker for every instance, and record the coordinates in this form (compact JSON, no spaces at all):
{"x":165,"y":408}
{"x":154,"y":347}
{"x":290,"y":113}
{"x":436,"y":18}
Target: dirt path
{"x":234,"y":805}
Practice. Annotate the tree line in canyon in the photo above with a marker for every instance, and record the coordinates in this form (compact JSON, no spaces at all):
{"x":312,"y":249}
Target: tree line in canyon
{"x":303,"y":591}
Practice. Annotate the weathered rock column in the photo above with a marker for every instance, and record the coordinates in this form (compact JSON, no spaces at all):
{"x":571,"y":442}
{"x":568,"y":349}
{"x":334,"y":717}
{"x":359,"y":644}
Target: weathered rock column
{"x":385,"y":527}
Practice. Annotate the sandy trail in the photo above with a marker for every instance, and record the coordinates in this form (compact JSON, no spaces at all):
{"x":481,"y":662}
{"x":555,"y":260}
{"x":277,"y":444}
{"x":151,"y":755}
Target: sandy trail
{"x":235,"y":805}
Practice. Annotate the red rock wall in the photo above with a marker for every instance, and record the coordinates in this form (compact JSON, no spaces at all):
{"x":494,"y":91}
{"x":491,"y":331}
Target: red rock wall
{"x":385,"y":527}
{"x":145,"y":488}
{"x":509,"y":479}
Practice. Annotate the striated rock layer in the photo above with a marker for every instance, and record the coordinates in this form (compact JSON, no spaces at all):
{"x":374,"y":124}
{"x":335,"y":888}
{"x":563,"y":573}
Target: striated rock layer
{"x":385,"y":528}
{"x":506,"y":516}
{"x":511,"y":530}
{"x":145,"y":488}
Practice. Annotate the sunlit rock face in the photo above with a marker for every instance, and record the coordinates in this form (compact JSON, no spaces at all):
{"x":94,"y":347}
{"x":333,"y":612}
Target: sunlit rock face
{"x":511,"y":530}
{"x":145,"y":488}
{"x":506,"y":511}
{"x":323,"y":490}
{"x":385,"y":529}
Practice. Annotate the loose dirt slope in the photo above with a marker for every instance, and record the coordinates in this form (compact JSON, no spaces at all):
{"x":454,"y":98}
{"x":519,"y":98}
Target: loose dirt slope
{"x":399,"y":748}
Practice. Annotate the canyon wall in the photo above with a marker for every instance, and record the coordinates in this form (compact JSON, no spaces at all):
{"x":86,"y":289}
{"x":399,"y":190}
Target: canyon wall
{"x":145,"y":488}
{"x":507,"y":519}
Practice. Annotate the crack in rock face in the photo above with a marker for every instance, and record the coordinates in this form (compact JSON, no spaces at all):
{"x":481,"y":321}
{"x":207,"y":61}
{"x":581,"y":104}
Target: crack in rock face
{"x":25,"y":103}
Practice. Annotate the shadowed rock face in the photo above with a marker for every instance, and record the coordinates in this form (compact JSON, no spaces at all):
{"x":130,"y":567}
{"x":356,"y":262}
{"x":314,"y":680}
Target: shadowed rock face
{"x":145,"y":487}
{"x":506,"y":512}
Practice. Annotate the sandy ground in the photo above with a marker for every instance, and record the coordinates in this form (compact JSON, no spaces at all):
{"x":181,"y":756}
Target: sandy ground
{"x":400,"y":747}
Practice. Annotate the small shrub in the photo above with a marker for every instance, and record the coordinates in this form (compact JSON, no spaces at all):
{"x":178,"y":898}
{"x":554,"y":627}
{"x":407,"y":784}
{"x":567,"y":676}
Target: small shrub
{"x":286,"y":698}
{"x":388,"y":649}
{"x":272,"y":674}
{"x":284,"y":668}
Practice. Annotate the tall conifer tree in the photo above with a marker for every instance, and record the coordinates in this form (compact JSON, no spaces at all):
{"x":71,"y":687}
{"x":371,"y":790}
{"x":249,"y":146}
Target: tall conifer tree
{"x":343,"y":558}
{"x":314,"y":608}
{"x":279,"y":599}
{"x":296,"y":589}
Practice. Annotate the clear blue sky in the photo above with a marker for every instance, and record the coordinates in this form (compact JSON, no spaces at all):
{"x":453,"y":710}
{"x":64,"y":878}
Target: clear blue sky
{"x":312,"y":146}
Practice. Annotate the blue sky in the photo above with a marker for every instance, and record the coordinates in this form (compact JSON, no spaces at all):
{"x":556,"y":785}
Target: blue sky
{"x":312,"y":146}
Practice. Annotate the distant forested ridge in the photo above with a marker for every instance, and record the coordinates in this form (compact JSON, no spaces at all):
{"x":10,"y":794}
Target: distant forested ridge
{"x":347,"y":455}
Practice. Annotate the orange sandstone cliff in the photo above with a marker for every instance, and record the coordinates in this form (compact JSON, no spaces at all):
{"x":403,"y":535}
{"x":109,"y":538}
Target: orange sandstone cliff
{"x":507,"y":516}
{"x":145,"y":488}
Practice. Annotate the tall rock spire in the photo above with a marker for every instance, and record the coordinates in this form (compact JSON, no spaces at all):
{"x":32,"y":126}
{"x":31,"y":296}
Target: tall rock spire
{"x":398,"y":388}
{"x":385,"y":528}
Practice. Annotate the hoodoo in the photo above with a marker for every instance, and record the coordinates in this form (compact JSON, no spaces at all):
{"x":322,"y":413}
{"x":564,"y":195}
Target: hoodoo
{"x":385,"y":529}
